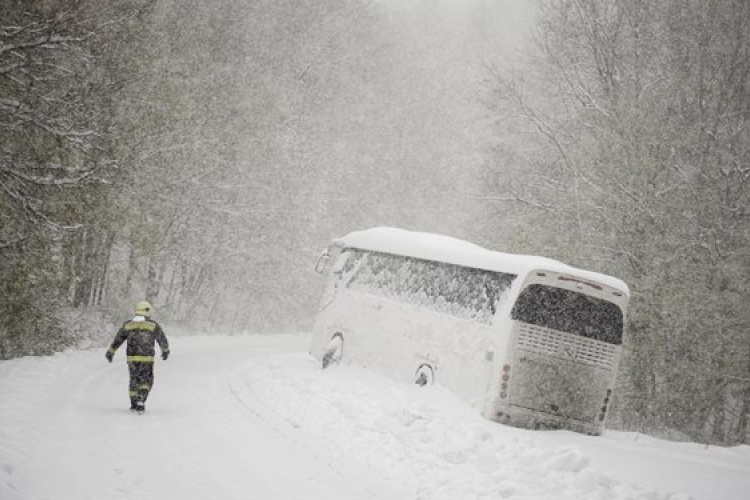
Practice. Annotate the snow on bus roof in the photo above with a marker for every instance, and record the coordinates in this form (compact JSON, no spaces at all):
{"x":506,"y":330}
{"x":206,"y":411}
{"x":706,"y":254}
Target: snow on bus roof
{"x":455,"y":251}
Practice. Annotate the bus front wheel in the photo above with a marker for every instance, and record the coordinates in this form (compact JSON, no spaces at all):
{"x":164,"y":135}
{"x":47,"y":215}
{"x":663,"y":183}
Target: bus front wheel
{"x":334,"y":351}
{"x":424,"y":375}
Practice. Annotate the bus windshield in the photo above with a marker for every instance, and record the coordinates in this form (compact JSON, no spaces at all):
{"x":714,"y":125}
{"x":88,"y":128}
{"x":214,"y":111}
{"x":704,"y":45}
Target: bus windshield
{"x":569,"y":311}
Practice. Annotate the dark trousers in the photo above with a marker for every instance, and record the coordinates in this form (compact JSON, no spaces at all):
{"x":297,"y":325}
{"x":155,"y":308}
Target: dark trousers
{"x":141,"y":381}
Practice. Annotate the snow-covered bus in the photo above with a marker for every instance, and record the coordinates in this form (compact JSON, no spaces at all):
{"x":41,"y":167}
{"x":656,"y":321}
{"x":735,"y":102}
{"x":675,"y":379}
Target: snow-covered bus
{"x":529,"y":341}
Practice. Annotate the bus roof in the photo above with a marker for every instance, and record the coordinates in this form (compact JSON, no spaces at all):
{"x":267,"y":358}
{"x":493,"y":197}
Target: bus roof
{"x":440,"y":248}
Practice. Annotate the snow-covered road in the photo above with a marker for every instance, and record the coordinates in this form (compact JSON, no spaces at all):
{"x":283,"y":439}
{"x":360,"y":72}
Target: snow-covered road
{"x":66,"y":432}
{"x":253,"y":417}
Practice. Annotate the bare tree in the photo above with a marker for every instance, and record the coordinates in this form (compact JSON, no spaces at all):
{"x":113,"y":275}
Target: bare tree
{"x":55,"y":166}
{"x":639,"y":167}
{"x":49,"y":138}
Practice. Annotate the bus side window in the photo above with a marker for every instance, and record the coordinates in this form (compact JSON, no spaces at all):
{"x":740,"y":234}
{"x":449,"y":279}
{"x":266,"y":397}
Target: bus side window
{"x":460,"y":291}
{"x":338,"y":266}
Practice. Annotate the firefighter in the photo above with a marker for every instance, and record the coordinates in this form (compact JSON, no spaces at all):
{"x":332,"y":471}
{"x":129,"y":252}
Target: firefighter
{"x":141,"y":332}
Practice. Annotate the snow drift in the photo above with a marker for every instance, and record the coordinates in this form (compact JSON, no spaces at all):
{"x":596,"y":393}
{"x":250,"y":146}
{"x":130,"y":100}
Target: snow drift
{"x":255,"y":417}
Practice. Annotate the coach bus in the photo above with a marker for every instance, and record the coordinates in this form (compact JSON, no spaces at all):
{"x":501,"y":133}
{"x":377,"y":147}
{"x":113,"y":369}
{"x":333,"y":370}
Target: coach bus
{"x":529,"y":341}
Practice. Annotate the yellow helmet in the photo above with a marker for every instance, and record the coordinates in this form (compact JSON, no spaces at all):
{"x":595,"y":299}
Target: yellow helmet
{"x":144,"y":308}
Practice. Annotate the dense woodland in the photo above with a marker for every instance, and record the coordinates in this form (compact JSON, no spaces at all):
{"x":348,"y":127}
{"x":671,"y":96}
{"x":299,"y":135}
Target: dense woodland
{"x":200,"y":154}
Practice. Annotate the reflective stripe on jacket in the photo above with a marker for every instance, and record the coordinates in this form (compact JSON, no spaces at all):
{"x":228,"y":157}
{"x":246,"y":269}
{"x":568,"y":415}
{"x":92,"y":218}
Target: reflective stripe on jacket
{"x":141,"y":334}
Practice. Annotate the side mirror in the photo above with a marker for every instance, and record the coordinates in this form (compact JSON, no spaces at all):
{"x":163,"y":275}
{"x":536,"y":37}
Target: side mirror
{"x":322,"y":262}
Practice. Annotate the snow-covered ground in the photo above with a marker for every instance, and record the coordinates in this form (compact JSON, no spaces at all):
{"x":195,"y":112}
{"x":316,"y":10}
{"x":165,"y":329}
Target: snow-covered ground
{"x":253,"y":417}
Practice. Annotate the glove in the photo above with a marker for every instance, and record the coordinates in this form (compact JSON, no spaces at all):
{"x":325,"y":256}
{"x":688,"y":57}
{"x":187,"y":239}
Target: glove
{"x":164,"y":355}
{"x":109,"y":355}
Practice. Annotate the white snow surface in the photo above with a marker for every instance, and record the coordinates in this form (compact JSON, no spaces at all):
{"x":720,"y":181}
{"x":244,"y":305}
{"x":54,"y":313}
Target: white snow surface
{"x":456,"y":251}
{"x":254,"y":417}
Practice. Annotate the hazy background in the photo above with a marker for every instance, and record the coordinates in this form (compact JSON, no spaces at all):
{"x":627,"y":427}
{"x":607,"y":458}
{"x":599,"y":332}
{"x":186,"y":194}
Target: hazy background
{"x":201,"y":154}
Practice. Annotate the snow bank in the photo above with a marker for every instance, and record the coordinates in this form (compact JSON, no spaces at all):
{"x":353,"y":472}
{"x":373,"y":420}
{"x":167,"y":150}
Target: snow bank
{"x":438,"y":447}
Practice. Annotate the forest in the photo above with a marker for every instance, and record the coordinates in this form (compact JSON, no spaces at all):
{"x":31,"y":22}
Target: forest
{"x":201,"y":154}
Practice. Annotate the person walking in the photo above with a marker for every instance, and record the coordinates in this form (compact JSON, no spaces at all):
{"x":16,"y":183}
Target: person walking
{"x":142,"y":333}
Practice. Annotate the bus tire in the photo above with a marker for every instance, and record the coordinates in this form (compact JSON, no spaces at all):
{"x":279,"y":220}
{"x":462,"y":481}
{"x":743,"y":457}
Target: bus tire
{"x":425,"y":375}
{"x":334,"y":351}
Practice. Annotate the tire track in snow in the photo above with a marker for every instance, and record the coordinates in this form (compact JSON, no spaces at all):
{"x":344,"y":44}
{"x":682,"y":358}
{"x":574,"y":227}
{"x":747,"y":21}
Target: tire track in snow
{"x":66,"y":433}
{"x":242,"y":391}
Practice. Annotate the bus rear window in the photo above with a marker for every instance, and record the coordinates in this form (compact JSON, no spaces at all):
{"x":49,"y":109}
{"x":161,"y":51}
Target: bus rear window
{"x":569,"y":311}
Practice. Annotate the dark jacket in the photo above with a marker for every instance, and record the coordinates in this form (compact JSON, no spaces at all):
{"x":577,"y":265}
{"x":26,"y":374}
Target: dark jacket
{"x":141,"y":334}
